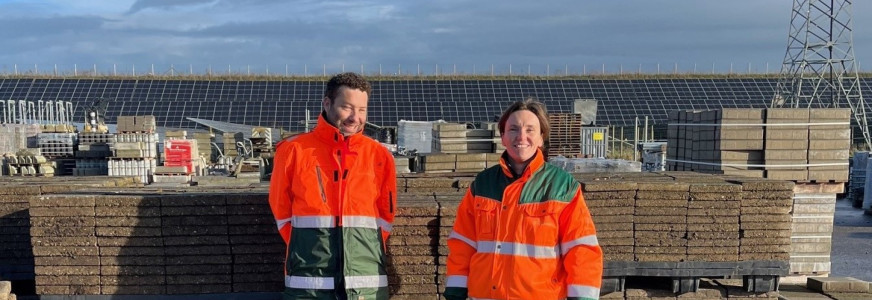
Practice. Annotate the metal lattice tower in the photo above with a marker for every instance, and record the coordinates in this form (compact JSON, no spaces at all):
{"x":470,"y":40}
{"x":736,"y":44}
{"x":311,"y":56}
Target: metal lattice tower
{"x":819,"y":70}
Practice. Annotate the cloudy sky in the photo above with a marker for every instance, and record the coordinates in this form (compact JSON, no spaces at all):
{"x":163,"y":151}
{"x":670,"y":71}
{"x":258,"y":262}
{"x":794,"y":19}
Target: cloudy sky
{"x":309,"y":36}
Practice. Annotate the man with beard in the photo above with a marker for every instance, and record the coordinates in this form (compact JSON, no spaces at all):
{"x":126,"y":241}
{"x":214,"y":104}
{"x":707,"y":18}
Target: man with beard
{"x":333,"y":195}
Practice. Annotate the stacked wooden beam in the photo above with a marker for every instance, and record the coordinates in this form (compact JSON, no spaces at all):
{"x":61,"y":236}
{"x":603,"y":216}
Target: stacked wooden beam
{"x":829,"y":144}
{"x":413,"y":248}
{"x":611,"y":204}
{"x":661,"y":221}
{"x":565,"y":136}
{"x":132,"y":252}
{"x":65,"y":253}
{"x":258,"y":252}
{"x":713,"y":222}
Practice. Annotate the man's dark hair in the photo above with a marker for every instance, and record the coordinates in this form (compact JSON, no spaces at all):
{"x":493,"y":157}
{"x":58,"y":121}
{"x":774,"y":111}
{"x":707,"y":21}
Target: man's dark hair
{"x":348,"y":79}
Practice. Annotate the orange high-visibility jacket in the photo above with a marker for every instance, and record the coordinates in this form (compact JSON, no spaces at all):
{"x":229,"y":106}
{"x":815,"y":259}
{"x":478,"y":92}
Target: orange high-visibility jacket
{"x":333,"y":198}
{"x":524,"y":237}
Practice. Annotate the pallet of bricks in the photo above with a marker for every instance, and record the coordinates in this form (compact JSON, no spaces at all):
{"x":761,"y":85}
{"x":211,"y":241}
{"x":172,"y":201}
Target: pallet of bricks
{"x":92,"y":153}
{"x":727,"y":141}
{"x":688,"y":227}
{"x":565,"y":136}
{"x":134,"y":149}
{"x":459,"y":163}
{"x":456,"y":138}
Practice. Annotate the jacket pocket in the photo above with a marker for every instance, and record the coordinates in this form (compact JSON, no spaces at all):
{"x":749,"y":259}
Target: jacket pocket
{"x":486,"y":217}
{"x":541,"y":221}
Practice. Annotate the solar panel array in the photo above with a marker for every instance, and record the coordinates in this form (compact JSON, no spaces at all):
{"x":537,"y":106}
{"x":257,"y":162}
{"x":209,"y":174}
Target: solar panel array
{"x":282,"y":104}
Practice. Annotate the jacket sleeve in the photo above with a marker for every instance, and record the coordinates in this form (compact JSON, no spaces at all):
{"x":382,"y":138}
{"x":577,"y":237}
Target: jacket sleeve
{"x":461,"y":247}
{"x":582,"y":255}
{"x":387,"y":199}
{"x":279,"y":190}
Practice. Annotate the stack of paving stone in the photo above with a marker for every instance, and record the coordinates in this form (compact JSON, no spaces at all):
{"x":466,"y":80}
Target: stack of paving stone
{"x":204,"y":144}
{"x":814,"y":207}
{"x":678,"y":146}
{"x":196,"y":242}
{"x":447,"y":215}
{"x":6,"y":291}
{"x":727,"y":141}
{"x":786,"y":152}
{"x":713,"y":222}
{"x":258,"y":250}
{"x":455,"y":138}
{"x":14,"y":137}
{"x":611,"y":204}
{"x":429,"y":186}
{"x":16,"y":256}
{"x":439,"y":163}
{"x":66,"y":257}
{"x":230,"y":139}
{"x":858,"y":178}
{"x":471,"y":162}
{"x":829,"y":145}
{"x":413,"y":248}
{"x":131,"y":248}
{"x":661,"y":221}
{"x":765,"y":219}
{"x":498,"y":143}
{"x":460,"y":163}
{"x":92,"y":152}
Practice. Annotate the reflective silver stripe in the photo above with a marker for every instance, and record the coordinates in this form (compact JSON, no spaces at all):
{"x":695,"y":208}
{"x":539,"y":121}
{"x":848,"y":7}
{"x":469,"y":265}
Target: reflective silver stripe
{"x":456,"y":281}
{"x":359,"y":282}
{"x":281,"y":223}
{"x":517,"y":249}
{"x":588,"y":240}
{"x":583,"y":291}
{"x":455,"y":235}
{"x":309,"y":283}
{"x":384,"y":224}
{"x":312,"y":221}
{"x":359,"y":222}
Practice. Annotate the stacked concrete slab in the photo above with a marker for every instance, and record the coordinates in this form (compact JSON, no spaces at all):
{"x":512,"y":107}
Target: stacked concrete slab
{"x":829,"y":141}
{"x":413,"y":248}
{"x":204,"y":145}
{"x":787,"y":143}
{"x":132,"y":253}
{"x":765,"y":220}
{"x":814,"y":208}
{"x":196,"y":244}
{"x":447,"y":215}
{"x":16,"y":256}
{"x":713,"y":222}
{"x":456,"y":138}
{"x":257,"y":251}
{"x":611,"y":204}
{"x":460,"y":163}
{"x":857,"y":183}
{"x":661,"y":222}
{"x":727,"y":141}
{"x":65,"y":249}
{"x":14,"y":137}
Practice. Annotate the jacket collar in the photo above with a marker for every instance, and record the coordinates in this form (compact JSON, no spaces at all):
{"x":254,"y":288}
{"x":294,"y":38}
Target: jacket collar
{"x":329,"y":133}
{"x":536,"y":163}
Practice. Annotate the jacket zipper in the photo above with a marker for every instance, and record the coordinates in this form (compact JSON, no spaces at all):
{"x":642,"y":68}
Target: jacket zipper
{"x":321,"y":183}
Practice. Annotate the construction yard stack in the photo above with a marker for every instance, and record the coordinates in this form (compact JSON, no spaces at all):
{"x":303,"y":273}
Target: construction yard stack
{"x":765,"y":219}
{"x":829,"y":144}
{"x":92,"y":152}
{"x":134,"y":149}
{"x":258,"y":251}
{"x":447,"y":215}
{"x":661,"y":222}
{"x":713,"y":222}
{"x":132,"y":260}
{"x":737,"y":141}
{"x":857,"y":187}
{"x":65,"y":253}
{"x":456,"y":138}
{"x":413,"y":248}
{"x":204,"y":145}
{"x":786,"y":152}
{"x":16,"y":255}
{"x":611,"y":204}
{"x":811,"y":233}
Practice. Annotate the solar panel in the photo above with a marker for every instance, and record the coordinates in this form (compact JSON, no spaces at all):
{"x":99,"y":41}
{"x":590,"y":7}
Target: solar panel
{"x":283,"y":103}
